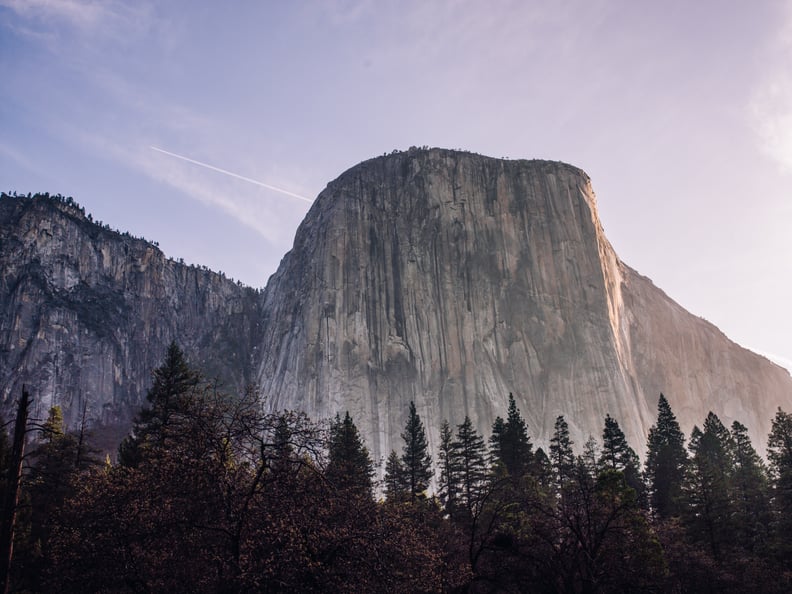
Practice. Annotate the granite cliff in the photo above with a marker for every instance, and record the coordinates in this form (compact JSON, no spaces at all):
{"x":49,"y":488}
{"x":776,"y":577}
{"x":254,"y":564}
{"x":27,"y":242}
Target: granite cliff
{"x":87,"y":313}
{"x":445,"y":278}
{"x":452,"y":279}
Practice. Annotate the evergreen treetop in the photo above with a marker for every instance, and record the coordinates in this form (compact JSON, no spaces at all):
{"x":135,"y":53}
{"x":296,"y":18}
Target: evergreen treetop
{"x":496,"y":446}
{"x":562,"y":457}
{"x":172,"y":391}
{"x":416,"y":461}
{"x":395,"y":483}
{"x":616,"y":452}
{"x":666,"y":460}
{"x":448,"y":484}
{"x":516,"y":449}
{"x":349,"y":465}
{"x":469,"y":464}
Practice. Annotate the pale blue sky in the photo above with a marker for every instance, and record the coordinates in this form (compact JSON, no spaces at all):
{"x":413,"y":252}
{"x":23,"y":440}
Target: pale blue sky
{"x":681,"y":113}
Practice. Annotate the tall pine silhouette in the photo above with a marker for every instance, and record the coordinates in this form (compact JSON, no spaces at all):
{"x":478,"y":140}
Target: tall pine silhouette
{"x":779,"y":453}
{"x":349,"y":465}
{"x":562,"y":458}
{"x":171,"y":393}
{"x":470,"y":466}
{"x":618,"y":455}
{"x":666,"y":460}
{"x":708,"y":506}
{"x":415,"y":461}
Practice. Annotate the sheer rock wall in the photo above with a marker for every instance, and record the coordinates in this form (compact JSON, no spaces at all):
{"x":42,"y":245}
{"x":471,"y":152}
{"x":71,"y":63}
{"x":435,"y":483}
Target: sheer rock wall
{"x":452,"y":279}
{"x":445,"y":278}
{"x":87,"y":313}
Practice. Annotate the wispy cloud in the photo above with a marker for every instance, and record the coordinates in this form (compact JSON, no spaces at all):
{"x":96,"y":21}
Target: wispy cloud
{"x":258,"y":209}
{"x":127,"y":115}
{"x":771,"y":105}
{"x":345,"y":11}
{"x":83,"y":14}
{"x":11,"y":154}
{"x":58,"y":24}
{"x":772,"y":114}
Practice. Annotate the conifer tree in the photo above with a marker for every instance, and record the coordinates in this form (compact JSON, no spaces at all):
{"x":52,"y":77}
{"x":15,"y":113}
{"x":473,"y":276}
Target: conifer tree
{"x":516,"y":445}
{"x":497,"y":466}
{"x":448,"y":485}
{"x":542,"y":468}
{"x":468,"y":460}
{"x":510,"y":446}
{"x":779,"y":453}
{"x":349,"y":465}
{"x":395,"y":489}
{"x":616,"y":452}
{"x":562,"y":458}
{"x":666,"y":460}
{"x":618,"y":455}
{"x":11,"y":495}
{"x":5,"y":452}
{"x":589,"y":458}
{"x":750,"y":496}
{"x":55,"y":463}
{"x":708,"y":511}
{"x":171,"y":393}
{"x":281,"y":458}
{"x":416,"y":461}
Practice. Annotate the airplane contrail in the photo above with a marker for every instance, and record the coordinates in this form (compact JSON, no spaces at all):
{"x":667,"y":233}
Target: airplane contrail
{"x":232,"y":174}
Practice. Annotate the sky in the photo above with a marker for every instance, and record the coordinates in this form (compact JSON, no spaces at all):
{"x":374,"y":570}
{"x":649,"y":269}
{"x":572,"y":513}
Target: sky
{"x":679,"y":111}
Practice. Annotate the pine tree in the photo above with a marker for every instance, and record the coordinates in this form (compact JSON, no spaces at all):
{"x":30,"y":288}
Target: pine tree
{"x":618,"y":455}
{"x":172,"y":391}
{"x":588,"y":459}
{"x":750,"y":496}
{"x":616,"y":452}
{"x":468,"y":460}
{"x":497,"y":466}
{"x":281,"y":456}
{"x":665,"y":462}
{"x":779,"y":453}
{"x":542,"y":468}
{"x":5,"y":453}
{"x":448,"y":485}
{"x":562,"y":458}
{"x":349,"y":465}
{"x":395,"y":484}
{"x":516,"y":445}
{"x":416,"y":461}
{"x":55,"y":463}
{"x":11,"y":495}
{"x":708,"y":511}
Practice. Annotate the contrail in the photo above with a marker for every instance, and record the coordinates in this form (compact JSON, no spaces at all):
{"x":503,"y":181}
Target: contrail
{"x":232,"y":174}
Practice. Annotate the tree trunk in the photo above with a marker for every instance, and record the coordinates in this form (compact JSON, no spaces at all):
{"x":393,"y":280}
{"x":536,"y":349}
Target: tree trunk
{"x":12,"y":493}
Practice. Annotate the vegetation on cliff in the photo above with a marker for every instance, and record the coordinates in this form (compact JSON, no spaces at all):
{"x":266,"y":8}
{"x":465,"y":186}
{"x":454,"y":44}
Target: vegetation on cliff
{"x":210,"y":494}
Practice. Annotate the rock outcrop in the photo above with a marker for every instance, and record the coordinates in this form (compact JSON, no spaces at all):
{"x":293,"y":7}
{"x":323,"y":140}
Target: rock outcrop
{"x":445,"y":278}
{"x":452,"y":279}
{"x":86,"y":313}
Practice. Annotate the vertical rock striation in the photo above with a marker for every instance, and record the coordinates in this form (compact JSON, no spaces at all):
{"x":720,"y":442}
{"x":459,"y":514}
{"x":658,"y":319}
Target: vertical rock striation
{"x":87,"y":313}
{"x":451,"y":279}
{"x":440,"y":277}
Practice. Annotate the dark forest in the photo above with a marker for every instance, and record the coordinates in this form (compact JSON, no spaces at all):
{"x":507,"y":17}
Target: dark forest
{"x":210,"y":494}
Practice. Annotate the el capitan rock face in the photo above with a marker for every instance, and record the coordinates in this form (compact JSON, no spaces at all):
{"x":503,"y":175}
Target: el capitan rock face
{"x":445,"y":278}
{"x":452,"y":279}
